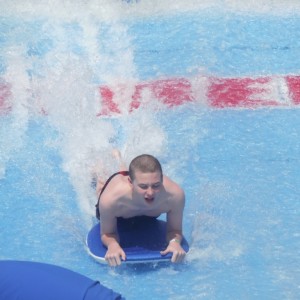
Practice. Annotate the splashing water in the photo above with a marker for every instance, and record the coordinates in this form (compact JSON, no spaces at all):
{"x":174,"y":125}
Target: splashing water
{"x":60,"y":78}
{"x":55,"y":55}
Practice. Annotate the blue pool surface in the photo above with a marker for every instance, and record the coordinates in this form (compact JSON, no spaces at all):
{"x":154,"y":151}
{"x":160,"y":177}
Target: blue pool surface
{"x":241,"y":214}
{"x":238,"y":167}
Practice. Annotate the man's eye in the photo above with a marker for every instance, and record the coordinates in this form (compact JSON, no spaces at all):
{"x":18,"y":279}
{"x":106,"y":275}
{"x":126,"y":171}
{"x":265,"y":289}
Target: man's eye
{"x":156,"y":186}
{"x":144,"y":187}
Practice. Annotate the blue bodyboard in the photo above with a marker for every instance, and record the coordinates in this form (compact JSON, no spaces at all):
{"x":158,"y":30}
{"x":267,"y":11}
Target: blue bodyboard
{"x":142,"y":239}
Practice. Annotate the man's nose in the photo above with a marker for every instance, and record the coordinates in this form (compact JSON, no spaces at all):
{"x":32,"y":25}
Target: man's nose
{"x":150,"y":191}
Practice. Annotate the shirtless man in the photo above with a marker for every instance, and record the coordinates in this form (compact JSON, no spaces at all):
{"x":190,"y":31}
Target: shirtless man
{"x":141,"y":191}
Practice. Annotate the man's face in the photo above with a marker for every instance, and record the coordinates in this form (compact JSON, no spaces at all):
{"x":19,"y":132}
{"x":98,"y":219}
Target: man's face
{"x":147,"y":185}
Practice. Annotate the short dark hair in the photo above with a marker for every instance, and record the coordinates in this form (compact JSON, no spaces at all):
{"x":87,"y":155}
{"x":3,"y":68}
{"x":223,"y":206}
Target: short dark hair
{"x":145,"y":163}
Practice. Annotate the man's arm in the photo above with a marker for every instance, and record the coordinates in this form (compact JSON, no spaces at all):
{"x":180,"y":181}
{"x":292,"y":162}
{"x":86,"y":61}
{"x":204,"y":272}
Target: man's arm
{"x":110,"y":238}
{"x":174,"y":228}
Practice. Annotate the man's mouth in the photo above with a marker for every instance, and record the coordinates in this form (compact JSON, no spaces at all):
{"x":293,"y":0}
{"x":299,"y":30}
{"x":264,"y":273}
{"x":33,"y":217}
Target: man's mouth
{"x":149,"y":200}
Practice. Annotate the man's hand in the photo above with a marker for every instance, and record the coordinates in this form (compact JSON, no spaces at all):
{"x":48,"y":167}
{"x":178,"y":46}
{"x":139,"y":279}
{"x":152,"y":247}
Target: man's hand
{"x":175,"y":248}
{"x":114,"y":254}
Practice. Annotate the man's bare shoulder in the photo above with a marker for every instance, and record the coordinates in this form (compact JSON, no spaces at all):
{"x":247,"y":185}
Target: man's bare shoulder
{"x":173,"y":189}
{"x":117,"y":190}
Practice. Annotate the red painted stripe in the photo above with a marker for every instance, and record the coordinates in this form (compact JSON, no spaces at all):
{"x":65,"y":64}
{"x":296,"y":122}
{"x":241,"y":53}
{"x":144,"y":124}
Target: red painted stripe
{"x":108,"y":104}
{"x":215,"y":92}
{"x":293,"y":83}
{"x":5,"y":94}
{"x":239,"y":92}
{"x":171,"y":92}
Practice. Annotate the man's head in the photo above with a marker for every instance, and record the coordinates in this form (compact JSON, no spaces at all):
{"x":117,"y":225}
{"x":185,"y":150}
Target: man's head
{"x":144,"y":163}
{"x":145,"y":176}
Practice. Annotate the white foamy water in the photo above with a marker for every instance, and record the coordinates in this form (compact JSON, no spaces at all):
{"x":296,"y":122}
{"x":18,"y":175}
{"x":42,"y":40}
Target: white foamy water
{"x":64,"y":86}
{"x":15,"y":126}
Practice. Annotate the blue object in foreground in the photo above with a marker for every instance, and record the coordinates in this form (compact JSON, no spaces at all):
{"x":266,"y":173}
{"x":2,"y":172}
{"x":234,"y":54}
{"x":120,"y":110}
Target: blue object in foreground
{"x":142,"y":239}
{"x":20,"y":280}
